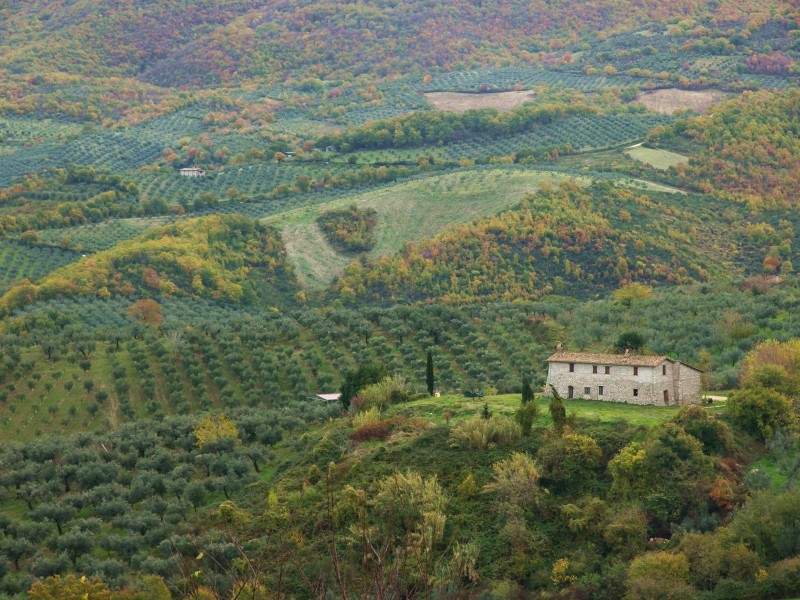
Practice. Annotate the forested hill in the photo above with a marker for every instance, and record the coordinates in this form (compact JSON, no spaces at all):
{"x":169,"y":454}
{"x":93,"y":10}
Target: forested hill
{"x":750,"y":149}
{"x":570,"y":240}
{"x":199,"y":42}
{"x":227,"y":258}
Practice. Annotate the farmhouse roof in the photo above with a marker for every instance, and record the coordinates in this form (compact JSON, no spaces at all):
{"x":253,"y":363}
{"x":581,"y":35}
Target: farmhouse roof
{"x":632,"y":360}
{"x":329,"y":397}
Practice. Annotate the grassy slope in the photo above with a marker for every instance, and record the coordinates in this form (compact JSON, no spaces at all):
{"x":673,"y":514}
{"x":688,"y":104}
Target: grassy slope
{"x":660,"y":159}
{"x":410,"y":211}
{"x":460,"y":407}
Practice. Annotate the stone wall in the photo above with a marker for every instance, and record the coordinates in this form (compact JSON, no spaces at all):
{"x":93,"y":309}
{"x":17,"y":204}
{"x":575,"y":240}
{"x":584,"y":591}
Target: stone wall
{"x":690,"y":385}
{"x":681,"y":384}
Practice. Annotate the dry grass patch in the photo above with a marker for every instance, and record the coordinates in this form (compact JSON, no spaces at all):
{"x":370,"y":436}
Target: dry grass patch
{"x":461,"y":102}
{"x":668,"y":101}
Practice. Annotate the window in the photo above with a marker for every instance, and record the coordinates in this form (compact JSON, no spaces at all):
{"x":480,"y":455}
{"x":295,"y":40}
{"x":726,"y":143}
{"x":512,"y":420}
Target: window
{"x":608,"y":370}
{"x":635,"y":370}
{"x":600,"y":390}
{"x":570,"y":392}
{"x":594,"y":369}
{"x":587,"y":391}
{"x":571,"y":367}
{"x":635,"y":392}
{"x":666,"y":396}
{"x":663,"y":369}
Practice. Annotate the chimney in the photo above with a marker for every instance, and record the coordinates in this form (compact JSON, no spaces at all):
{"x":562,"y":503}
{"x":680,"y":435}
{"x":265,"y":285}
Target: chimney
{"x":559,"y":347}
{"x":627,"y":351}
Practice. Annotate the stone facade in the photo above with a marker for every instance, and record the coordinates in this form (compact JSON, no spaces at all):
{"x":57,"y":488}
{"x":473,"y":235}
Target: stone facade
{"x":655,"y":380}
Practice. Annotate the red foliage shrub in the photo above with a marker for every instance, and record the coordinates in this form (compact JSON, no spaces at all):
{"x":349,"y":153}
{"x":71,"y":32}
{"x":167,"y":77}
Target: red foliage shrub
{"x":372,"y":431}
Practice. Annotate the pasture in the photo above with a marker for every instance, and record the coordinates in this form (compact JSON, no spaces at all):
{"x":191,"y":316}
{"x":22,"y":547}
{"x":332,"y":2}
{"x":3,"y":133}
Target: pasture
{"x":459,"y":102}
{"x":659,"y":159}
{"x":407,"y":212}
{"x":667,"y":101}
{"x":459,"y":407}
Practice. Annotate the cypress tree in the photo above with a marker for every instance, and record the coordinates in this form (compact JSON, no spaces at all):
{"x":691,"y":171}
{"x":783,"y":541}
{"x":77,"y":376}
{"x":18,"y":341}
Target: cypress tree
{"x":429,"y":373}
{"x":527,"y":391}
{"x":558,"y":412}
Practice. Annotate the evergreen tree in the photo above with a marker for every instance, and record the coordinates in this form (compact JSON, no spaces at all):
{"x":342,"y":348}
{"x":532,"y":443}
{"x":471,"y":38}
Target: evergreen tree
{"x":356,"y":380}
{"x":527,"y":390}
{"x":525,"y":416}
{"x":558,"y":411}
{"x":429,"y":373}
{"x":485,"y":413}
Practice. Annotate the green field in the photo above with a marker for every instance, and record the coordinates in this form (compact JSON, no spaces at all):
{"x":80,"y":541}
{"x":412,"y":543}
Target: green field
{"x":410,"y":211}
{"x":659,"y":159}
{"x":593,"y":410}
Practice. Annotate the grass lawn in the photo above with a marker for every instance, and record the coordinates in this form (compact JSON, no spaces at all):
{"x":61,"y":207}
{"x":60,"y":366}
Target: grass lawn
{"x":409,"y":211}
{"x":660,"y":159}
{"x":767,"y":464}
{"x":460,"y":407}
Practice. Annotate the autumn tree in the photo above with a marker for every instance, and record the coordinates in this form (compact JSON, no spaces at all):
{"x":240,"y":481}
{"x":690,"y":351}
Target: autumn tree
{"x":516,"y":480}
{"x":760,"y":411}
{"x":147,"y":311}
{"x":630,"y":292}
{"x":215,"y":432}
{"x":70,"y":587}
{"x":659,"y":575}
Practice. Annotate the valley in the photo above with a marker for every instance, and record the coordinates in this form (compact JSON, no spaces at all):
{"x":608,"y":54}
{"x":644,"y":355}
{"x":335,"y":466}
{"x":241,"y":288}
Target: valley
{"x":411,"y":204}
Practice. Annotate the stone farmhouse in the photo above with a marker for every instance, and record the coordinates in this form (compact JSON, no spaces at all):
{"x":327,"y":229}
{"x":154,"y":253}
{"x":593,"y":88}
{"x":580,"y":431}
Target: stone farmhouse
{"x":192,"y":172}
{"x":632,"y":378}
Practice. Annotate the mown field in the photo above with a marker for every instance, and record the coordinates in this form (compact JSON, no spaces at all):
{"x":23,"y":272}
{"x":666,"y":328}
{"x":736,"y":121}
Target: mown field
{"x":659,"y":159}
{"x":449,"y":408}
{"x":407,"y":212}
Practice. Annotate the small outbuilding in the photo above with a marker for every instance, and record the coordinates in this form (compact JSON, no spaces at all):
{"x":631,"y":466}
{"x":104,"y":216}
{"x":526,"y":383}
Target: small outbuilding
{"x":631,"y":378}
{"x":328,"y":397}
{"x":192,"y":172}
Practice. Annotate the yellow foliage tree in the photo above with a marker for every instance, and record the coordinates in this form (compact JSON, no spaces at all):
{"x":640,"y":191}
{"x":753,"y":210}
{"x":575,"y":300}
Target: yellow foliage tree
{"x":69,"y":588}
{"x":215,"y":431}
{"x":632,"y":291}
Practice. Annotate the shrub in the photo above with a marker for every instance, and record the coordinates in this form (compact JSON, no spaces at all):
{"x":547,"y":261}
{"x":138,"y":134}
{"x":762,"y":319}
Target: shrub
{"x":366,"y":417}
{"x":784,"y":576}
{"x":390,"y":390}
{"x":657,"y":575}
{"x":759,"y":411}
{"x":477,"y":433}
{"x":349,"y":230}
{"x":516,"y":480}
{"x":376,"y":430}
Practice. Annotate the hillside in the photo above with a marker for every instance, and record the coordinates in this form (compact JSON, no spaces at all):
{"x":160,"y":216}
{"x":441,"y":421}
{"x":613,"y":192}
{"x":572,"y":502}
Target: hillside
{"x":405,"y":212}
{"x":750,"y":149}
{"x":221,"y":257}
{"x":413,"y":203}
{"x":568,"y":240}
{"x":208,"y":354}
{"x":210,"y":43}
{"x":471,"y":499}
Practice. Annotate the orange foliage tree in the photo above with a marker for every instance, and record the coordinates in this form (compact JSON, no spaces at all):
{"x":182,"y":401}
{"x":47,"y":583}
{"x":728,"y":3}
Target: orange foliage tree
{"x":147,"y":311}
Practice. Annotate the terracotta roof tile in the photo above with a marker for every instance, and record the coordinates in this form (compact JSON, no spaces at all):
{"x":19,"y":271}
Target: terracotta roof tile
{"x":632,"y":360}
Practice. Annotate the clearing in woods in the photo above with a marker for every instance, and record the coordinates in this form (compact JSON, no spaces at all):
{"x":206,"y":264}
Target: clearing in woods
{"x":462,"y":102}
{"x":411,"y":211}
{"x":660,"y":159}
{"x":668,"y":101}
